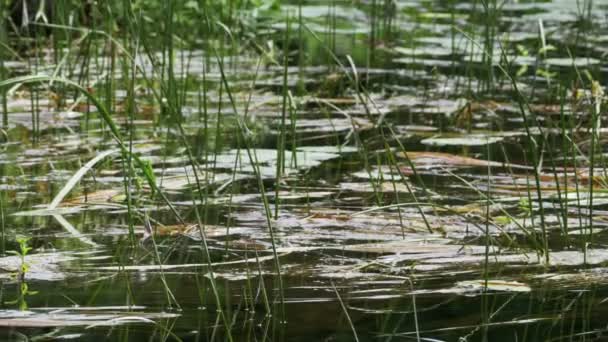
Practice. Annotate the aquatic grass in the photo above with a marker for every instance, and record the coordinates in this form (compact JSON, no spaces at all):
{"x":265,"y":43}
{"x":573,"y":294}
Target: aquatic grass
{"x":237,"y":158}
{"x":301,"y":61}
{"x":533,"y":145}
{"x":453,"y":66}
{"x":170,"y":92}
{"x":131,"y":319}
{"x":577,"y":105}
{"x":362,"y":150}
{"x":560,"y":199}
{"x":568,"y":149}
{"x":67,"y":188}
{"x":212,"y":279}
{"x":125,"y":152}
{"x":363,"y":97}
{"x":293,"y":110}
{"x":397,"y":199}
{"x":488,"y":317}
{"x":354,"y":80}
{"x":171,"y":300}
{"x":597,"y":95}
{"x":434,"y":206}
{"x":4,"y":99}
{"x":373,"y":35}
{"x":281,"y":143}
{"x":414,"y":311}
{"x":244,"y":135}
{"x":345,"y":311}
{"x":487,"y":243}
{"x":129,"y":75}
{"x":546,"y":145}
{"x":535,"y":160}
{"x":143,"y":166}
{"x":491,"y":13}
{"x":3,"y":56}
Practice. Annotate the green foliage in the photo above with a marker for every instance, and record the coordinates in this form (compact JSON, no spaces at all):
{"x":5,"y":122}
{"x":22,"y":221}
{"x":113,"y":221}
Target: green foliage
{"x":22,"y":252}
{"x":266,"y":4}
{"x":503,"y":220}
{"x":525,"y":206}
{"x":23,"y":289}
{"x":146,"y":168}
{"x":524,"y":52}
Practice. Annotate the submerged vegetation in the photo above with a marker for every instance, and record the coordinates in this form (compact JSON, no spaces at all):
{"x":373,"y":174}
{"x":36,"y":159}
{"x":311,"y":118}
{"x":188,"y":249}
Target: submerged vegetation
{"x":299,"y":170}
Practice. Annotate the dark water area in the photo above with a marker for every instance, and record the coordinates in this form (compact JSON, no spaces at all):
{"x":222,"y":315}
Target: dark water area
{"x":305,"y":171}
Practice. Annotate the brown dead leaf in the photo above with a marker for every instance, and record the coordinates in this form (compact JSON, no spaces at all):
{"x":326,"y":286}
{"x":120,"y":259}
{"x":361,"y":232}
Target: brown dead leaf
{"x":440,"y":159}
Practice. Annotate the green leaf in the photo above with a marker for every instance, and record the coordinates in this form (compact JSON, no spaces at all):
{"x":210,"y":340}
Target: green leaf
{"x":146,"y":168}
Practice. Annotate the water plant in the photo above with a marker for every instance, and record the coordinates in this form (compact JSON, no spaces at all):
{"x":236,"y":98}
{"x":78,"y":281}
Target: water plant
{"x":23,"y":290}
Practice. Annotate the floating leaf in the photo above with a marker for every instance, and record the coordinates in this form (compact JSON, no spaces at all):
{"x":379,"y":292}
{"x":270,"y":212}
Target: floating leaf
{"x":438,"y":159}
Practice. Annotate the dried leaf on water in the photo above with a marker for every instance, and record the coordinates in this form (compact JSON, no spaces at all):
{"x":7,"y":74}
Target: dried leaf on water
{"x":439,"y":159}
{"x":465,"y":140}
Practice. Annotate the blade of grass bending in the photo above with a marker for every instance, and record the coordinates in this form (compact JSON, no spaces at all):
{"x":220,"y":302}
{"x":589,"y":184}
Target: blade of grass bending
{"x":77,"y":176}
{"x":68,"y":187}
{"x":72,"y":230}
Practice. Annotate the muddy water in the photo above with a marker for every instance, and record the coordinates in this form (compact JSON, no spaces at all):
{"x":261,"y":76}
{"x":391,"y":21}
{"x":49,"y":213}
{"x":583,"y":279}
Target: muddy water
{"x":410,"y":209}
